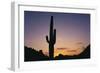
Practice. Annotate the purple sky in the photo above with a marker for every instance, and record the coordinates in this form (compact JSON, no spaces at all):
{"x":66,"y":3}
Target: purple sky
{"x":71,"y":29}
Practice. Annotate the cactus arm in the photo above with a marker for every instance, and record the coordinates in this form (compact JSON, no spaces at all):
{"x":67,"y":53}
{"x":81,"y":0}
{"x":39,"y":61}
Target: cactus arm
{"x":54,"y":36}
{"x":47,"y":39}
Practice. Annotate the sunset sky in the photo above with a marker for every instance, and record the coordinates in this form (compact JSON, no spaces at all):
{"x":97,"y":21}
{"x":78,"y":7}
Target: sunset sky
{"x":73,"y":31}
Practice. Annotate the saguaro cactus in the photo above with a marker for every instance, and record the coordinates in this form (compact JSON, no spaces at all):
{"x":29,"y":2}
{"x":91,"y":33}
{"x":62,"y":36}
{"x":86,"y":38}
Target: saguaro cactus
{"x":52,"y":39}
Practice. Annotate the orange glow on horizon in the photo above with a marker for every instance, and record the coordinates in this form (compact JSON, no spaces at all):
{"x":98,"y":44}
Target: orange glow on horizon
{"x":65,"y":51}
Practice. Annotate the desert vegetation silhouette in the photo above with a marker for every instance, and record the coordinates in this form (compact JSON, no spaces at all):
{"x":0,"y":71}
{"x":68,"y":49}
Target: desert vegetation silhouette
{"x":30,"y":54}
{"x":51,"y":40}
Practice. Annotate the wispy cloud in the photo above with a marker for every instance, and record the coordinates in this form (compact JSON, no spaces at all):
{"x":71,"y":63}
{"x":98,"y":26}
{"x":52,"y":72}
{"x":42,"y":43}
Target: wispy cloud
{"x":79,"y":43}
{"x":62,"y":48}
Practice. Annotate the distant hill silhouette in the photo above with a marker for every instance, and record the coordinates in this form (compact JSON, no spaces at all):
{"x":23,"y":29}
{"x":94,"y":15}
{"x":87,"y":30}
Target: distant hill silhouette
{"x":84,"y":54}
{"x":31,"y":54}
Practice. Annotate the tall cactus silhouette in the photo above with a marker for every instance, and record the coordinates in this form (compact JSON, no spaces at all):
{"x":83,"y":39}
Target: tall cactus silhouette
{"x":52,"y":39}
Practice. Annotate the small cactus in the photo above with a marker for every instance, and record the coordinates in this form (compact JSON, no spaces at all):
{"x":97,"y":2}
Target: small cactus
{"x":52,"y":39}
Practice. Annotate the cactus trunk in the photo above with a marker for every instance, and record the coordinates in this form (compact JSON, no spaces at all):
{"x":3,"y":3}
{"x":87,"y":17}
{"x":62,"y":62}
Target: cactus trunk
{"x":52,"y":39}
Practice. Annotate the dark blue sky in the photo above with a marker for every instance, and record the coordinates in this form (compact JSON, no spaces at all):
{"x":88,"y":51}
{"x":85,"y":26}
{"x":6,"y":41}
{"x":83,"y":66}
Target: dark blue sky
{"x":71,"y":29}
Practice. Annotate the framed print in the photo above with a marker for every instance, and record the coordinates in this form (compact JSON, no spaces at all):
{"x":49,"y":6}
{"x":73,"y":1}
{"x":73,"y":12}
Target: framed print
{"x":45,"y":36}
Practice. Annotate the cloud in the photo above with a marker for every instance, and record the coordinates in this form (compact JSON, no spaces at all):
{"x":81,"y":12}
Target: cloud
{"x":79,"y":43}
{"x":62,"y":48}
{"x":71,"y":50}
